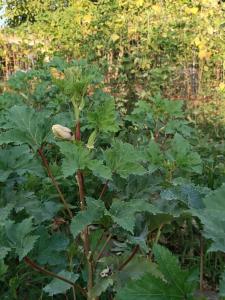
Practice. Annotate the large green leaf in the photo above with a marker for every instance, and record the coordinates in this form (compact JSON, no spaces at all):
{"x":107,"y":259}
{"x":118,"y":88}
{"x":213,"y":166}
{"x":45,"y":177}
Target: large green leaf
{"x":137,"y":268}
{"x":4,"y":213}
{"x":182,"y":154}
{"x":19,"y":236}
{"x":175,"y":283}
{"x":25,"y":125}
{"x":212,"y":217}
{"x":3,"y":252}
{"x":101,"y":286}
{"x":57,"y":286}
{"x":93,"y":212}
{"x":124,"y":159}
{"x":20,"y":160}
{"x":154,"y":156}
{"x":222,"y":285}
{"x":3,"y":269}
{"x":124,"y":213}
{"x":180,"y":126}
{"x":146,"y":288}
{"x":169,"y":267}
{"x":78,"y":157}
{"x":99,"y":169}
{"x":51,"y":249}
{"x":141,"y":115}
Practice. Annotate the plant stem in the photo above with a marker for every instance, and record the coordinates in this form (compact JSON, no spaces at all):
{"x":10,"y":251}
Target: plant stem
{"x":55,"y":183}
{"x":126,"y":262}
{"x":77,"y":131}
{"x":158,"y":234}
{"x":104,"y":189}
{"x":74,"y":294}
{"x":40,"y":269}
{"x":85,"y":234}
{"x":103,"y":247}
{"x":80,"y":182}
{"x":201,"y":263}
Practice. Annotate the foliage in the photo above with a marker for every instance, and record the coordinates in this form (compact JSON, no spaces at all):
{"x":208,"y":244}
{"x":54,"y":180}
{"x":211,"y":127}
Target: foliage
{"x":85,"y":217}
{"x":174,"y":283}
{"x":212,"y":216}
{"x":174,"y":47}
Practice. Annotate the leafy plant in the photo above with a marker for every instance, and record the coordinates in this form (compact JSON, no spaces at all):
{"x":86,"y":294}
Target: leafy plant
{"x":83,"y":205}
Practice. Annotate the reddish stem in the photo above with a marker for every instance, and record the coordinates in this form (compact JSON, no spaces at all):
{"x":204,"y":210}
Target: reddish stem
{"x":40,"y":269}
{"x":85,"y":234}
{"x":55,"y":183}
{"x":103,"y":247}
{"x":105,"y":187}
{"x":126,"y":262}
{"x":77,"y":132}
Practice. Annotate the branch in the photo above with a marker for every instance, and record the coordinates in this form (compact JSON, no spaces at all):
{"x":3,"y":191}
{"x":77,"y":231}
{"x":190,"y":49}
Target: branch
{"x":126,"y":262}
{"x":103,"y":247}
{"x":105,"y":187}
{"x":40,"y":269}
{"x":55,"y":183}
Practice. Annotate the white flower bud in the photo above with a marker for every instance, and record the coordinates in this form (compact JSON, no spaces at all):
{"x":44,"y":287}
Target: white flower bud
{"x":62,"y":132}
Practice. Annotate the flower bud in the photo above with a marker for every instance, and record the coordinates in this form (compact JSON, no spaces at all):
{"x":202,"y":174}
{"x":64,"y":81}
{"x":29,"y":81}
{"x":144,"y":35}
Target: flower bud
{"x":62,"y":132}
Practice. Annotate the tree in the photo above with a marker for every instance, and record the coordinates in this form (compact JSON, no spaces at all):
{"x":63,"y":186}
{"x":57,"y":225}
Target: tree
{"x":20,"y":11}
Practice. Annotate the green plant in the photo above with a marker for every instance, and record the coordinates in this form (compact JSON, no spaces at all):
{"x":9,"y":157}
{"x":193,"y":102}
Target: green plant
{"x":88,"y":207}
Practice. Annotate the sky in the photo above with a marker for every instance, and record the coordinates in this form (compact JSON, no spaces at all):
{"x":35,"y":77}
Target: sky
{"x":1,"y":14}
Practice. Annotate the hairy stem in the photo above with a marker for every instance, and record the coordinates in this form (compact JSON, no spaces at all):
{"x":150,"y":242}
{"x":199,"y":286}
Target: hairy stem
{"x":55,"y":183}
{"x":131,"y":256}
{"x":40,"y":269}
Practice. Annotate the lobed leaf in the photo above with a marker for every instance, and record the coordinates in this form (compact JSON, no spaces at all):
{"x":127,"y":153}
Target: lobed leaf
{"x":94,"y":211}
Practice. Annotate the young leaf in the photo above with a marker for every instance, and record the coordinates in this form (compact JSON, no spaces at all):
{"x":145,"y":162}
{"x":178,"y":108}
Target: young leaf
{"x":57,"y":286}
{"x":103,"y":118}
